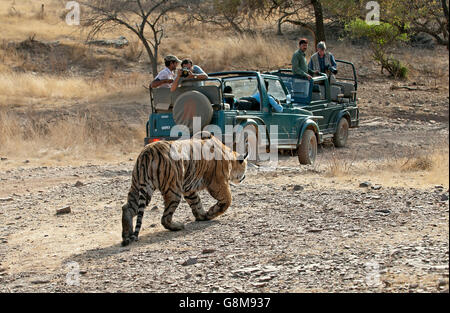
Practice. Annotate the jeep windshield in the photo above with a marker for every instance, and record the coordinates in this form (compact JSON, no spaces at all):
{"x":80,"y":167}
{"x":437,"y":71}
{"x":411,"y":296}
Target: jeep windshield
{"x":242,"y":86}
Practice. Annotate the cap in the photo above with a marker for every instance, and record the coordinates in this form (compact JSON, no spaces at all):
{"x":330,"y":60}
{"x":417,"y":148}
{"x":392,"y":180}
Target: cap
{"x":170,"y":58}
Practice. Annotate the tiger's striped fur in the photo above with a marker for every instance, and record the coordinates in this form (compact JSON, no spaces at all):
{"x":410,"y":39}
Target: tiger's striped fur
{"x":156,"y":168}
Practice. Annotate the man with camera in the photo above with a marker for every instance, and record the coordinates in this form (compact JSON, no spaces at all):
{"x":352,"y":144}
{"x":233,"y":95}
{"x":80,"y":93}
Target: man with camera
{"x":165,"y":77}
{"x":323,"y":61}
{"x":188,"y":71}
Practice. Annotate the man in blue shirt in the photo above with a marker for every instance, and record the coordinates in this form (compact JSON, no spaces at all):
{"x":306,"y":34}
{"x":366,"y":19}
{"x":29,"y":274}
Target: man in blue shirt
{"x":195,"y":72}
{"x":273,"y":102}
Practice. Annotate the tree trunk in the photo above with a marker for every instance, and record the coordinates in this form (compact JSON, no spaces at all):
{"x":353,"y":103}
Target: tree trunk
{"x":318,"y":13}
{"x":153,"y":57}
{"x":445,"y":9}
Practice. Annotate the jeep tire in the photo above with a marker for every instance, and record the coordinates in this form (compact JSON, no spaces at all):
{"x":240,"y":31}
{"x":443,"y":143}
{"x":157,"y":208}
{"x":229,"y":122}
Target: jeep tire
{"x":192,"y":104}
{"x":341,"y":135}
{"x":307,"y":151}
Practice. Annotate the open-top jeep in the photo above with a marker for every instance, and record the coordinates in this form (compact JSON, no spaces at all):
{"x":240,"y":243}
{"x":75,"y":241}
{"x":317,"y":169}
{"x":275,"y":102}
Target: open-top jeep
{"x":336,"y":102}
{"x":224,"y":101}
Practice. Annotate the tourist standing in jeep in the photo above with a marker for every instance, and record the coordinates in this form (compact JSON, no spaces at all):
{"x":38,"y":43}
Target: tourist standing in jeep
{"x":165,"y":78}
{"x":324,"y":62}
{"x":189,"y":71}
{"x":299,"y":65}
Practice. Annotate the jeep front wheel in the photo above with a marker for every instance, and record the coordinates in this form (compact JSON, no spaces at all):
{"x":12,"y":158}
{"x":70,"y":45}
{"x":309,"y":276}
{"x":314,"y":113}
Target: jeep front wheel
{"x":307,"y":151}
{"x":341,"y":135}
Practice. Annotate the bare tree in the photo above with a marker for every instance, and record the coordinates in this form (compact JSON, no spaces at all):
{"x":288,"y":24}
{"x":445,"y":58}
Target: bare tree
{"x":304,"y":13}
{"x":144,"y":18}
{"x":234,"y":14}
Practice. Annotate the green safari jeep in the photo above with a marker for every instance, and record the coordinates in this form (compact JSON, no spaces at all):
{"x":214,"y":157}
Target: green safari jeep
{"x":336,"y":102}
{"x":223,"y":104}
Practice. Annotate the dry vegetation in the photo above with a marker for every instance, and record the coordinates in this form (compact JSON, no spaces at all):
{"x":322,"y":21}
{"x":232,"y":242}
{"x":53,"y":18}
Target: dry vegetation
{"x":41,"y":75}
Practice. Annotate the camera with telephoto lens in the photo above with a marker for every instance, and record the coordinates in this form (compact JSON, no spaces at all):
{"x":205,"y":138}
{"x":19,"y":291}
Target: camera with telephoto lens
{"x":185,"y":72}
{"x":330,"y":68}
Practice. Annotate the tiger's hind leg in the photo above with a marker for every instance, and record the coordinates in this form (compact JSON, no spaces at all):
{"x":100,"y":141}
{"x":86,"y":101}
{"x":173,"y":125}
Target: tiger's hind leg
{"x":193,"y":199}
{"x":171,"y":202}
{"x":222,"y":193}
{"x":127,"y":223}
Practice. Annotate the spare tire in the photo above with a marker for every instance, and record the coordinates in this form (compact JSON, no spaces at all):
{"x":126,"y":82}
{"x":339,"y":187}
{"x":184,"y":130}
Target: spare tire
{"x":192,"y":104}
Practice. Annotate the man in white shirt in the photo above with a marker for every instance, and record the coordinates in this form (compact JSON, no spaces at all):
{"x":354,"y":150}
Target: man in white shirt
{"x":166,"y":77}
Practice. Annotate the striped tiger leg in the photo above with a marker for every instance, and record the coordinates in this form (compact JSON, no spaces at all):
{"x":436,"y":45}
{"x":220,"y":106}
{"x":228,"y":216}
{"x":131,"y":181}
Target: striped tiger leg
{"x":171,"y":202}
{"x":127,"y":223}
{"x":222,"y":194}
{"x":193,"y":199}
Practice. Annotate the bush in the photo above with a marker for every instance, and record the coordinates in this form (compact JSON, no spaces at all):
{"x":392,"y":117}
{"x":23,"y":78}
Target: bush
{"x":382,"y":37}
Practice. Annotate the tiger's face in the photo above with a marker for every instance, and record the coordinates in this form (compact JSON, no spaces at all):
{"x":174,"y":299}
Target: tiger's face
{"x":239,"y":167}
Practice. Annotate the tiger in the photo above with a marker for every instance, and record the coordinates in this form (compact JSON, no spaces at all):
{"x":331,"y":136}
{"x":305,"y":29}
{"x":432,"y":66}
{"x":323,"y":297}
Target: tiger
{"x":171,"y":168}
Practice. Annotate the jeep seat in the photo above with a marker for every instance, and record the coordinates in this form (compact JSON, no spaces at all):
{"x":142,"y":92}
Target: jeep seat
{"x":162,"y":99}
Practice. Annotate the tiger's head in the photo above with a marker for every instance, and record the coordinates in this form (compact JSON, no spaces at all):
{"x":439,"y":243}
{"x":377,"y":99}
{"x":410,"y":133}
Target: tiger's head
{"x":238,"y":168}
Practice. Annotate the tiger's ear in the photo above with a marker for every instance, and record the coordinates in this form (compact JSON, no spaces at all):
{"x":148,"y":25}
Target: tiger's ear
{"x":243,"y":158}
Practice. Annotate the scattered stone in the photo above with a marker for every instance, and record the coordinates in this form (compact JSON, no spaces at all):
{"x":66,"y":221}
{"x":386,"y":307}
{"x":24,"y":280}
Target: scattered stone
{"x":365,"y":184}
{"x":265,"y":278}
{"x":190,"y":261}
{"x":64,"y":210}
{"x":314,"y":230}
{"x":6,"y":199}
{"x":39,"y":282}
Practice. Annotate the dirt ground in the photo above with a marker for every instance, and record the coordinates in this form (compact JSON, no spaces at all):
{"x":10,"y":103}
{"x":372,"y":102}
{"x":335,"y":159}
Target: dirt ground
{"x":290,"y":229}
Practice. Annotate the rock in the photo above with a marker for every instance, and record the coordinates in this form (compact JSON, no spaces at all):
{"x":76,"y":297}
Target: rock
{"x":190,"y":261}
{"x":155,"y":208}
{"x":64,"y":210}
{"x":413,"y":286}
{"x":39,"y":281}
{"x":383,"y":211}
{"x":422,"y":40}
{"x":208,"y":251}
{"x":444,"y":197}
{"x":365,"y":184}
{"x":314,"y":230}
{"x":78,"y":184}
{"x":298,"y":188}
{"x":3,"y":159}
{"x":116,"y":43}
{"x":376,"y":187}
{"x":265,"y":278}
{"x":6,"y":199}
{"x":26,"y":161}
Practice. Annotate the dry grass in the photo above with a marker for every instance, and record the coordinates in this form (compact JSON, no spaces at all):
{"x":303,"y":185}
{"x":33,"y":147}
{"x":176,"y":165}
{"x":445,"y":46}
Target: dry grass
{"x":419,"y":170}
{"x":50,"y":87}
{"x":67,"y":136}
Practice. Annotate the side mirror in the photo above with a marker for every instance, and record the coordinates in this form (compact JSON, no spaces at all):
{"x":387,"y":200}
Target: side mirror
{"x":288,"y":99}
